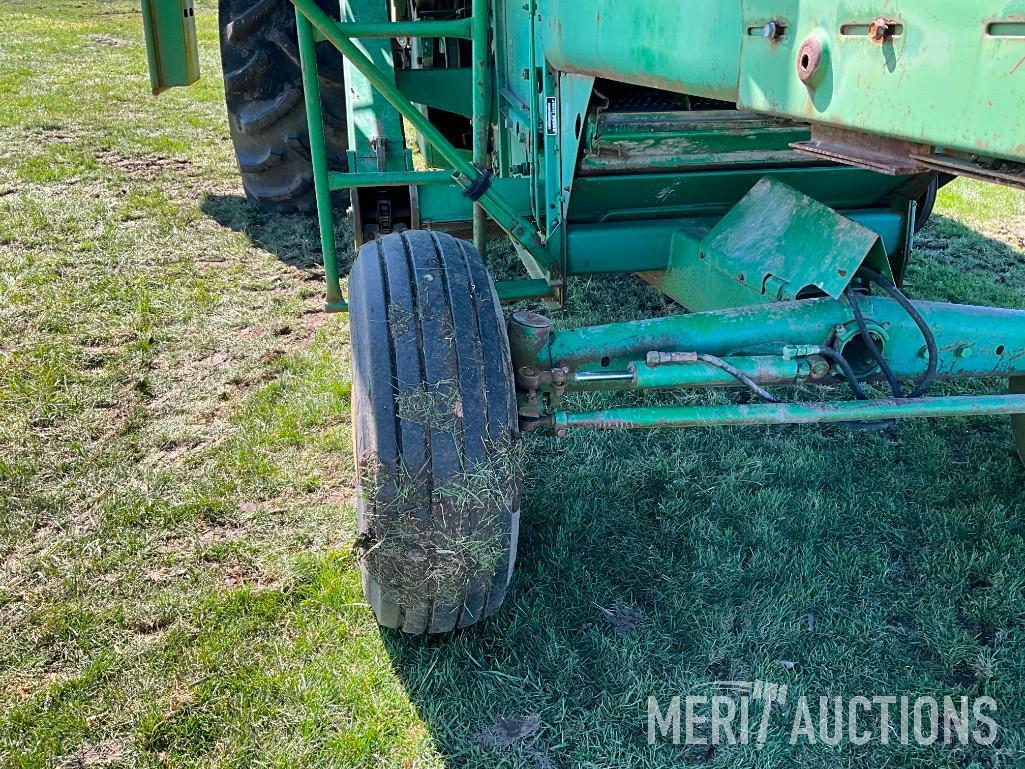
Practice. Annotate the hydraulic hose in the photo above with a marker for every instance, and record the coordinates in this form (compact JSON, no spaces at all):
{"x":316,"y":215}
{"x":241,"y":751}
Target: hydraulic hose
{"x":870,"y":344}
{"x":740,"y":376}
{"x":930,"y":339}
{"x":848,"y":371}
{"x":859,"y":391}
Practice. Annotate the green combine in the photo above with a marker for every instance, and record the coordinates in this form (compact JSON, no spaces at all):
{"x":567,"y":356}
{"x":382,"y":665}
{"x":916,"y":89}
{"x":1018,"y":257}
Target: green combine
{"x":765,"y":163}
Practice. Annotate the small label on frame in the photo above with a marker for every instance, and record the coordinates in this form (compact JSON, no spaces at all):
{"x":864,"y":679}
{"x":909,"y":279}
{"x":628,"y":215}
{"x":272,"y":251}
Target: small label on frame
{"x":551,"y":116}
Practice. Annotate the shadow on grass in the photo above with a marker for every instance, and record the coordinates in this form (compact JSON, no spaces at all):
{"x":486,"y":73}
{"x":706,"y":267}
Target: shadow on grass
{"x":293,"y":238}
{"x":833,"y":562}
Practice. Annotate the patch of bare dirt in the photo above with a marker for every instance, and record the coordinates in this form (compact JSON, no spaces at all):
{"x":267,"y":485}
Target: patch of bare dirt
{"x":104,"y":753}
{"x":623,"y":619}
{"x":147,"y":167}
{"x":58,"y":134}
{"x":508,"y":732}
{"x":109,"y":40}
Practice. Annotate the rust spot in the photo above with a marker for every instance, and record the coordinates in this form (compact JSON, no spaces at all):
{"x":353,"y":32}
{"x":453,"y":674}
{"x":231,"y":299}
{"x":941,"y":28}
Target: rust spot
{"x":881,"y":29}
{"x":809,"y":57}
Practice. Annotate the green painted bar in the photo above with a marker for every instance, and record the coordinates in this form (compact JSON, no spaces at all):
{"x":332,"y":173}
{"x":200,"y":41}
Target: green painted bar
{"x":713,"y":193}
{"x":318,"y":154}
{"x":460,"y":28}
{"x":481,"y":117}
{"x":598,"y":248}
{"x":339,"y":180}
{"x":518,"y":290}
{"x":974,"y":342}
{"x":520,"y":230}
{"x":790,"y":413}
{"x":763,"y":369}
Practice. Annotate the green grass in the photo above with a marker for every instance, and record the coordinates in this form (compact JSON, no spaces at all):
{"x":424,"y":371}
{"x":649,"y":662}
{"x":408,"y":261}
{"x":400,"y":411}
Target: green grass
{"x":176,"y":489}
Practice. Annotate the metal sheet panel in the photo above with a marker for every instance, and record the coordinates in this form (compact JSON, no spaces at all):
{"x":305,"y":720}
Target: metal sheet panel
{"x":688,"y":46}
{"x":950,"y":73}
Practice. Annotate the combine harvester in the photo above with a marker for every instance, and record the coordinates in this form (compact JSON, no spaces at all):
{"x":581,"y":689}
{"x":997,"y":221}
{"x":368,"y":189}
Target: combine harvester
{"x":765,"y":163}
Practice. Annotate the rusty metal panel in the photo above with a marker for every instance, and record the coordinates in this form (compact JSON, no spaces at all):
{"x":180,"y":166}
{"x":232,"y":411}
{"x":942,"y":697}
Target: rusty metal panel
{"x":949,"y":74}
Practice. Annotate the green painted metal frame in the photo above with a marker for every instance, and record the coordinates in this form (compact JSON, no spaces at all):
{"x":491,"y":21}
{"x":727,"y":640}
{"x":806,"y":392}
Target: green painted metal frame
{"x":313,"y":24}
{"x":172,"y":48}
{"x":558,"y":221}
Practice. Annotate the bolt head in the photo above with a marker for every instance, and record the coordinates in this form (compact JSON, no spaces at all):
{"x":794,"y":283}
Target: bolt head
{"x":880,"y":30}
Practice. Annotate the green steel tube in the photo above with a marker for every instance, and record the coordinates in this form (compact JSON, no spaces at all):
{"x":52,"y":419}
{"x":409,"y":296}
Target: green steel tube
{"x":763,"y":369}
{"x":723,"y":333}
{"x":518,"y":228}
{"x":318,"y":155}
{"x":527,"y":288}
{"x":340,"y":180}
{"x":480,"y":12}
{"x":974,"y":342}
{"x":461,"y":28}
{"x":790,"y":413}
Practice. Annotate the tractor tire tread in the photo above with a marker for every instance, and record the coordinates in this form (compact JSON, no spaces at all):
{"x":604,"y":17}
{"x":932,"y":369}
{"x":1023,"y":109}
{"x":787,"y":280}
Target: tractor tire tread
{"x":264,"y":96}
{"x":426,"y":323}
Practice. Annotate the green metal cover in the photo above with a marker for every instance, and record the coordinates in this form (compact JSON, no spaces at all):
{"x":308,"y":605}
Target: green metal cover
{"x":953,"y":75}
{"x":171,"y":47}
{"x":775,"y":245}
{"x":690,"y":47}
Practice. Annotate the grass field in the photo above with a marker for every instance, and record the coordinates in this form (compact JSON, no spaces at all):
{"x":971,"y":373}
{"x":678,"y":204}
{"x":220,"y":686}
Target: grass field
{"x":176,"y":490}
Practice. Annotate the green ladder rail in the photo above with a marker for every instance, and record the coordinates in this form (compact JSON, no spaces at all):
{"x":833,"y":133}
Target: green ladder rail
{"x":314,"y":24}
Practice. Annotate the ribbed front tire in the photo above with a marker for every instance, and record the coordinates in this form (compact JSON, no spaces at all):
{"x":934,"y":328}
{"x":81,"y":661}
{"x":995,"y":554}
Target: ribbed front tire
{"x":266,"y":110}
{"x":435,"y":432}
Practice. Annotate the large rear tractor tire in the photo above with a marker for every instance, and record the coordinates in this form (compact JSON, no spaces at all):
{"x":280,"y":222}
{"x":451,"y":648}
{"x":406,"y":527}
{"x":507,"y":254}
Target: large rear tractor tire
{"x":266,"y":110}
{"x":435,"y":433}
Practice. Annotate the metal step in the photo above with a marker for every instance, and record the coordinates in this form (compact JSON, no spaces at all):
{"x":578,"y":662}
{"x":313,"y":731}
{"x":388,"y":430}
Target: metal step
{"x":621,"y":142}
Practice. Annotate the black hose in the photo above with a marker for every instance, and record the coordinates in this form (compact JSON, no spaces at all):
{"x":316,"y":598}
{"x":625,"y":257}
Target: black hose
{"x":870,"y":344}
{"x":859,"y":391}
{"x":930,"y":340}
{"x":846,"y":368}
{"x":740,"y":376}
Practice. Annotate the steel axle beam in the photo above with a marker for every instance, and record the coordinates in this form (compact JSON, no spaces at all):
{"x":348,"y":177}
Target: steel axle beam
{"x":974,"y":342}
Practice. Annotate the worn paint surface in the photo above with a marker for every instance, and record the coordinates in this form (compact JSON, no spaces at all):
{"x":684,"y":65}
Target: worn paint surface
{"x":776,"y":244}
{"x":639,"y":142}
{"x":953,"y":77}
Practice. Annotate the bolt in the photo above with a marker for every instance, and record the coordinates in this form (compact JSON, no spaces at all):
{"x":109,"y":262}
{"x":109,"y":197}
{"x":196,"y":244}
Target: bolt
{"x":819,"y":367}
{"x":964,"y":351}
{"x":773,"y":30}
{"x":881,"y":29}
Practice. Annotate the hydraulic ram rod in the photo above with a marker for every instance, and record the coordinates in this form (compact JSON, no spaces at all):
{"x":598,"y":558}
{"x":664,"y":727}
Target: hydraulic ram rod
{"x":789,"y":413}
